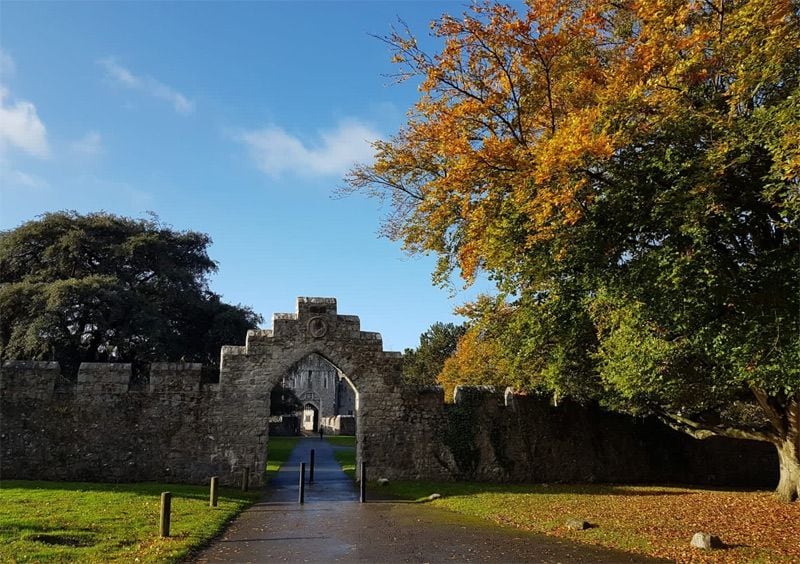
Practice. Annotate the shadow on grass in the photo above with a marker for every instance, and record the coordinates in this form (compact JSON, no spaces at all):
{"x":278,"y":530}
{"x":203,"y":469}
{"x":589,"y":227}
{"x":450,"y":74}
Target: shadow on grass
{"x":418,"y":491}
{"x":62,"y":538}
{"x":30,"y":531}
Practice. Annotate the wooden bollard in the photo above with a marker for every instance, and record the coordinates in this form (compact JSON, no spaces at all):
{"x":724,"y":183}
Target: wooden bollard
{"x":166,"y":507}
{"x":246,"y":479}
{"x":212,"y":502}
{"x":362,"y":497}
{"x":311,"y":469}
{"x":302,"y":497}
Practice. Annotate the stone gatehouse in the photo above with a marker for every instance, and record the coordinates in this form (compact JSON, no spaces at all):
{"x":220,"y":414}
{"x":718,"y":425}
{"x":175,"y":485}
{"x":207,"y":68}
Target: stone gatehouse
{"x":324,"y":393}
{"x":183,"y":429}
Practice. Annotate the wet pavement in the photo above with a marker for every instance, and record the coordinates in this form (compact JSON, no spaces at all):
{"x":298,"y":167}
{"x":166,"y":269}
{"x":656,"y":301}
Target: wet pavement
{"x":330,"y":483}
{"x":332,"y":526}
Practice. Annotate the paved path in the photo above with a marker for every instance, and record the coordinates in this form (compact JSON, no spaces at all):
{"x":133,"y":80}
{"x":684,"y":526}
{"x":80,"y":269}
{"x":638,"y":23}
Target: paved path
{"x":333,"y":527}
{"x":330,"y":483}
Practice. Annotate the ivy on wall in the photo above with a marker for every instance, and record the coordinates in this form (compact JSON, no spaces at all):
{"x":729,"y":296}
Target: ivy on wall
{"x":459,"y":436}
{"x":497,"y":435}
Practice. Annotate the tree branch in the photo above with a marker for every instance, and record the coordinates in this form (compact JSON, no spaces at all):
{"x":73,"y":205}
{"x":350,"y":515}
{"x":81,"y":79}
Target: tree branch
{"x":702,"y":431}
{"x":512,"y":88}
{"x":775,"y":418}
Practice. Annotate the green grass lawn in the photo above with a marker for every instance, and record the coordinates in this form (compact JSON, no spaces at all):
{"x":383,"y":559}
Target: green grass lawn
{"x":86,"y":522}
{"x":278,"y":452}
{"x":345,"y":452}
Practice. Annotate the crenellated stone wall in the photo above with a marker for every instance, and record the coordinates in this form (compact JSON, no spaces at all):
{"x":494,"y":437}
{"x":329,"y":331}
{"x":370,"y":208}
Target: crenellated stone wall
{"x":496,"y":435}
{"x":339,"y":425}
{"x":98,"y":429}
{"x":180,"y":429}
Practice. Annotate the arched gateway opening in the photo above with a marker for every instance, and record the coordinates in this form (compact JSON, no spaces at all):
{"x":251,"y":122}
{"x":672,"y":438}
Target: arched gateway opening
{"x":316,"y":331}
{"x":314,"y":395}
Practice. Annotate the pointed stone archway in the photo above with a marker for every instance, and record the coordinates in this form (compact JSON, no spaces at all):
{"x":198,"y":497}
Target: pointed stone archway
{"x":310,"y":422}
{"x":248,"y":374}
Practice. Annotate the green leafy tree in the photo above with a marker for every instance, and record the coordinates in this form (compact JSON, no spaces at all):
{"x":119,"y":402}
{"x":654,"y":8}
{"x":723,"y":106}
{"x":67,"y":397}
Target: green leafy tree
{"x":99,"y":287}
{"x":629,"y":175}
{"x":422,"y":365}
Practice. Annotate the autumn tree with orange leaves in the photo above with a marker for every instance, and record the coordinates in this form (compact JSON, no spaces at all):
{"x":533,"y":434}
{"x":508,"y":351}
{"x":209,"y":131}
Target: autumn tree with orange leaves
{"x":627,"y":174}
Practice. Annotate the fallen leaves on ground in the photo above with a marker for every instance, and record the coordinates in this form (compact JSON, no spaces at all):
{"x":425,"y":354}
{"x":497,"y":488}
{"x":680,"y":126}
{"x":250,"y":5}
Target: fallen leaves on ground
{"x":660,"y":521}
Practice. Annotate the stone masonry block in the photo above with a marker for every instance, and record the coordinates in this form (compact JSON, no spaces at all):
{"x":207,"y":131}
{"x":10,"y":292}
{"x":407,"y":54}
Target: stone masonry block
{"x":175,"y":377}
{"x":310,"y":307}
{"x":29,"y":379}
{"x":257,"y":336}
{"x":100,"y":378}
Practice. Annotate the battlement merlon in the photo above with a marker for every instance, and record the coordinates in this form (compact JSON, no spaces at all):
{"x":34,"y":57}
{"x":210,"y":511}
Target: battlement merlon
{"x":370,"y":336}
{"x":309,"y":307}
{"x":308,"y":310}
{"x":257,"y":337}
{"x":30,"y":379}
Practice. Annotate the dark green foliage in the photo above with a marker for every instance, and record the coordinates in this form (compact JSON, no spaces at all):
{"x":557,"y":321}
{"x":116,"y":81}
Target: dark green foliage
{"x":99,"y":287}
{"x":422,"y":365}
{"x":680,"y":290}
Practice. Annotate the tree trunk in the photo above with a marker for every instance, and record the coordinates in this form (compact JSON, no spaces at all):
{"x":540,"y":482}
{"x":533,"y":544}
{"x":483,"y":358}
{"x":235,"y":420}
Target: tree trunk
{"x":789,"y":458}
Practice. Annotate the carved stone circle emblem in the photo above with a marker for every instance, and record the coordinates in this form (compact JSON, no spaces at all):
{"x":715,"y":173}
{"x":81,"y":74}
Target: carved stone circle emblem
{"x":317,"y":327}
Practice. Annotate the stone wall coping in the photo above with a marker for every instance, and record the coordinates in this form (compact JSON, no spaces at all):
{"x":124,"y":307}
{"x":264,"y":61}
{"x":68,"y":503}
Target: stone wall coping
{"x":104,"y":366}
{"x":32,"y":364}
{"x":393,"y":354}
{"x":173,"y":366}
{"x":286,"y":316}
{"x":426,"y":389}
{"x":259,"y":333}
{"x":370,"y":336}
{"x":460,"y":392}
{"x":315,"y":300}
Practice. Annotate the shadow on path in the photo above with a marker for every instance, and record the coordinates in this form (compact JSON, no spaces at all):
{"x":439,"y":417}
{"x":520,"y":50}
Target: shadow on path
{"x":333,"y":527}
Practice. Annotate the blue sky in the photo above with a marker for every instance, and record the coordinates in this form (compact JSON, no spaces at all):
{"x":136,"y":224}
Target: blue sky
{"x":234,"y":119}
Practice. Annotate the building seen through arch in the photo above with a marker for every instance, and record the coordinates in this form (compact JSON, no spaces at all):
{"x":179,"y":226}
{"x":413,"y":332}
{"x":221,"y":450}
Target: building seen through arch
{"x":325,"y":394}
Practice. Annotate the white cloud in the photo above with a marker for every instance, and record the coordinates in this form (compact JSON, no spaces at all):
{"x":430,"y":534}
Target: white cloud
{"x":18,"y":180}
{"x":90,"y":145}
{"x":21,"y":127}
{"x":7,"y":66}
{"x":149,"y":85}
{"x":277,"y":152}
